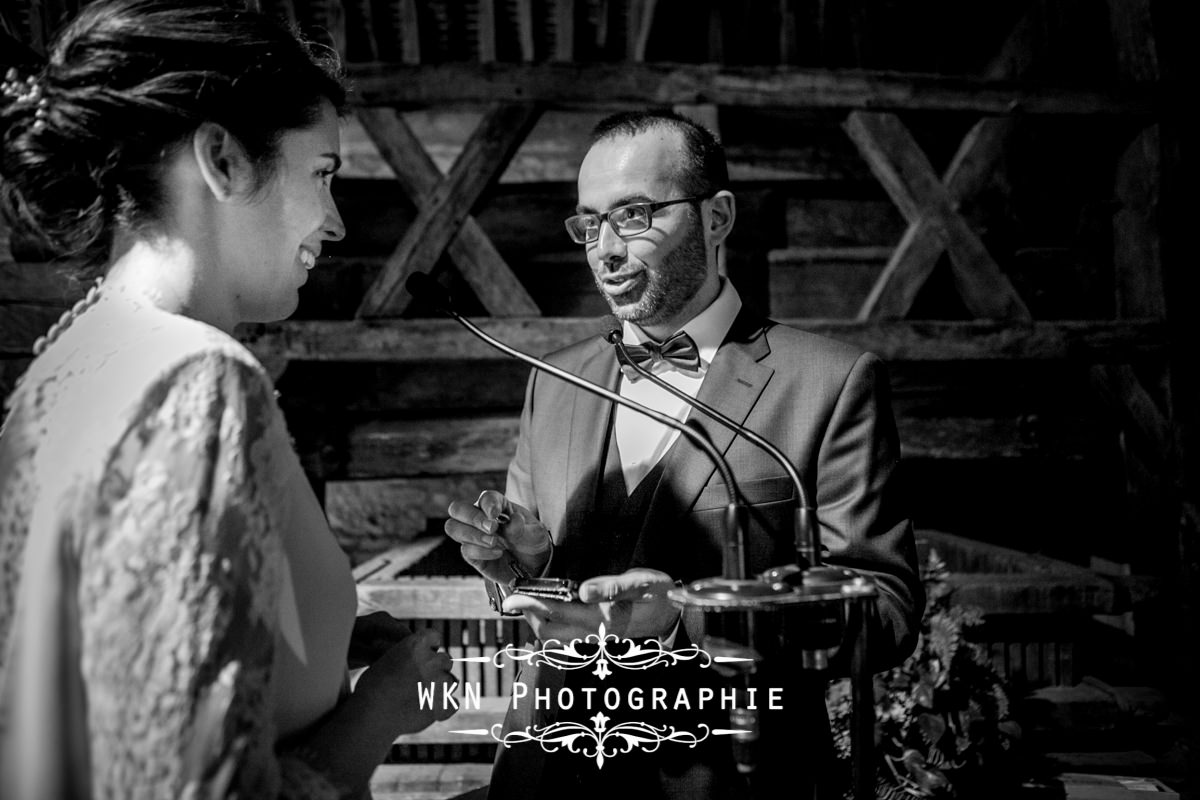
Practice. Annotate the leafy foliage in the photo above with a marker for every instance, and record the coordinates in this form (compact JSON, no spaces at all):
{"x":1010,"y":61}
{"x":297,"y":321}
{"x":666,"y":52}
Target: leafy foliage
{"x":942,"y":718}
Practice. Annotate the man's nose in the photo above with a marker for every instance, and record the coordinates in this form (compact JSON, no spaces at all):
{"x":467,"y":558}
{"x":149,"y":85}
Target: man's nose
{"x":610,"y":248}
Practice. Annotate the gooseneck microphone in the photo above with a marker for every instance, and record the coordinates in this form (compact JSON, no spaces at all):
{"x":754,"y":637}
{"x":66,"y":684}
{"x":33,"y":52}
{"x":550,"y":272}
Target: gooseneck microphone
{"x":430,"y":292}
{"x":808,"y":548}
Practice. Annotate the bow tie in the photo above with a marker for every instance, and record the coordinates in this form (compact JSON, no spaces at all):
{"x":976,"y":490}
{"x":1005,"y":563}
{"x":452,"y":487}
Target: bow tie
{"x":678,"y":351}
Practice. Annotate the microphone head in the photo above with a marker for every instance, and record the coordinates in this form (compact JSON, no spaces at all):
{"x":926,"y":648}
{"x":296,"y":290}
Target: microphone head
{"x":610,"y":329}
{"x":428,"y":291}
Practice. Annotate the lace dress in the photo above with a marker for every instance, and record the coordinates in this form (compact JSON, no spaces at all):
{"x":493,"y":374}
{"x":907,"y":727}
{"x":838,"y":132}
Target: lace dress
{"x":172,"y":604}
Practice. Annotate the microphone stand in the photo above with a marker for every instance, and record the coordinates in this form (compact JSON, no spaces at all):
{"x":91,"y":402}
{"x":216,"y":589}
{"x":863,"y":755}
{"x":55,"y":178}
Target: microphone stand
{"x":821,"y":598}
{"x":423,"y":287}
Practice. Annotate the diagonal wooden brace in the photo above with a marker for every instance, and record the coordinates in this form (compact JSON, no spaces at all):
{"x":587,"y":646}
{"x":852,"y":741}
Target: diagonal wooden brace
{"x":477,"y":259}
{"x":899,"y":164}
{"x":913,"y":260}
{"x":444,"y":209}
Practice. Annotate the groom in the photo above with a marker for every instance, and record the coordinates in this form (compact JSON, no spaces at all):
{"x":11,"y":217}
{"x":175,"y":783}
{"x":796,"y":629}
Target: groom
{"x":621,"y":504}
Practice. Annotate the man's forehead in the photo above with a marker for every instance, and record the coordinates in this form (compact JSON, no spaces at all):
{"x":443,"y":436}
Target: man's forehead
{"x":646,"y":162}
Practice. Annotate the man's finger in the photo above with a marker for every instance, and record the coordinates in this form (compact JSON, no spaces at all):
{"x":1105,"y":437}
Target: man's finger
{"x":491,"y":503}
{"x":520,"y":603}
{"x":467,"y":514}
{"x":467,"y":534}
{"x":636,"y":585}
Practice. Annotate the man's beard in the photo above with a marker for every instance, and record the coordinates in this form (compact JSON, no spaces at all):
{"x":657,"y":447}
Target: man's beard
{"x":669,"y":287}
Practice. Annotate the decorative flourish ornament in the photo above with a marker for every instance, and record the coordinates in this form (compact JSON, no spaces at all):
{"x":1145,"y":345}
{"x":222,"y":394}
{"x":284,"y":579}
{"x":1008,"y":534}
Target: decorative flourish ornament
{"x":601,"y":742}
{"x":637,"y":656}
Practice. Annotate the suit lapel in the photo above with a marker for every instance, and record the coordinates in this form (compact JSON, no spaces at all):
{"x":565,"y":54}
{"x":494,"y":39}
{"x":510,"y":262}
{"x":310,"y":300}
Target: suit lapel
{"x":734,"y":382}
{"x":589,"y":425}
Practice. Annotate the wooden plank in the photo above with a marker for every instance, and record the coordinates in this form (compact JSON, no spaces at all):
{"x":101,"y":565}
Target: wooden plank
{"x":426,"y":598}
{"x":483,"y":159}
{"x":621,"y":85}
{"x":410,"y":32}
{"x":486,"y":11}
{"x":477,"y":259}
{"x":917,"y":254}
{"x":431,"y":447}
{"x":1034,"y":593}
{"x":433,"y":781}
{"x":971,"y":438}
{"x":451,"y":451}
{"x":822,"y":282}
{"x":564,"y":30}
{"x":1134,"y":41}
{"x":381,"y":388}
{"x":524,"y":11}
{"x":375,"y":514}
{"x":1137,"y":251}
{"x":422,"y":340}
{"x":1120,"y":386}
{"x":900,"y":165}
{"x":641,"y":19}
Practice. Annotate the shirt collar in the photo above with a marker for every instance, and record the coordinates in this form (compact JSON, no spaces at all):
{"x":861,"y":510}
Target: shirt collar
{"x":707,"y":329}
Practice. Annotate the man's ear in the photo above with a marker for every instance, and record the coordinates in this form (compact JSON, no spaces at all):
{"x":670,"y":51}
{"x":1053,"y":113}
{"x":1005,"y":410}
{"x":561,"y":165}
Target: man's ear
{"x":222,"y":161}
{"x":722,"y":211}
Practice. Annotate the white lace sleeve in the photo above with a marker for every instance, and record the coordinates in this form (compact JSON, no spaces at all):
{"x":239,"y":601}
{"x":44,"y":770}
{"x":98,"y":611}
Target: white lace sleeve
{"x":178,"y":596}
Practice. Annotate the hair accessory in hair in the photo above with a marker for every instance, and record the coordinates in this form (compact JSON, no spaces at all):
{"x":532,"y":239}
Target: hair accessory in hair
{"x":27,"y":90}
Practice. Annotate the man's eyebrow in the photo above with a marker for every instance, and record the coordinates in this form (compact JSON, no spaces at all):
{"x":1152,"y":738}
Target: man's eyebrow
{"x":637,"y":197}
{"x":335,"y":158}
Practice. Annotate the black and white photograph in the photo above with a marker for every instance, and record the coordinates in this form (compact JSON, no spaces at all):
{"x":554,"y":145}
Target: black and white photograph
{"x":594,"y":399}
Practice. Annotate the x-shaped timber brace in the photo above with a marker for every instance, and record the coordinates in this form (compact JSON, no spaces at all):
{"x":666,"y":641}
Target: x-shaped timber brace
{"x":444,"y":223}
{"x":931,"y":207}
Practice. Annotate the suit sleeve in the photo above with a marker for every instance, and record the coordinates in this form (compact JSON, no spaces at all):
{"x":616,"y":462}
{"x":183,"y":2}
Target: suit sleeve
{"x":519,"y":486}
{"x":863,"y":523}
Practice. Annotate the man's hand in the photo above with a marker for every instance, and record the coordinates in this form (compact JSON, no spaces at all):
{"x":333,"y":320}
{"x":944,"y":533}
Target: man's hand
{"x":633,"y":604}
{"x":495,"y":530}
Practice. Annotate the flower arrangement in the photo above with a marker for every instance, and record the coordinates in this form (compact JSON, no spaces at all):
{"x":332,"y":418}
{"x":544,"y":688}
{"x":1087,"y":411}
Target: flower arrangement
{"x":943,"y":726}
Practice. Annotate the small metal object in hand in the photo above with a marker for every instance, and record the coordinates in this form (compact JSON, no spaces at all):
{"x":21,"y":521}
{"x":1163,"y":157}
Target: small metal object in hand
{"x":561,"y":589}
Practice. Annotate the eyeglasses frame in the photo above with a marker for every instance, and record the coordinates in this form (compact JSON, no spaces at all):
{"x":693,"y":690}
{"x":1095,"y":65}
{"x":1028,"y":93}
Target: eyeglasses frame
{"x":652,"y":207}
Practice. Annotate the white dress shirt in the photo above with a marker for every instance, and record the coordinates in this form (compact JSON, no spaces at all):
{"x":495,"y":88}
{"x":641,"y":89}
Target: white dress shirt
{"x":641,"y":441}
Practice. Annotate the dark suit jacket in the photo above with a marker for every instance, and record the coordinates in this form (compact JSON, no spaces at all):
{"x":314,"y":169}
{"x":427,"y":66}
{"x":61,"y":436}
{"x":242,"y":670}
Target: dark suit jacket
{"x":824,"y":404}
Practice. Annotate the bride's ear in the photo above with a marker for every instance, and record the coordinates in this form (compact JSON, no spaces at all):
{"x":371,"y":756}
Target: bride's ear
{"x":223,"y":162}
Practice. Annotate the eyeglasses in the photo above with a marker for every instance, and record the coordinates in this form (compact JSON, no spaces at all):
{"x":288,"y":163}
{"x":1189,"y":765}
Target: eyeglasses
{"x":628,"y":220}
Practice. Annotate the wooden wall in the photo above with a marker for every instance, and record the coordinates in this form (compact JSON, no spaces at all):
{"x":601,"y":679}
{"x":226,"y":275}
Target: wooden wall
{"x":985,"y":194}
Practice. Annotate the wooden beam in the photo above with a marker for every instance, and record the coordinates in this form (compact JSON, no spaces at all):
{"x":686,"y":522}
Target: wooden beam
{"x":410,"y":32}
{"x":445,"y":446}
{"x":918,"y":252}
{"x":483,"y":158}
{"x":621,"y":85}
{"x":564,"y":30}
{"x":432,"y":449}
{"x":524,"y":11}
{"x":1134,"y":41}
{"x":477,"y":259}
{"x":376,"y":514}
{"x":421,"y":340}
{"x":900,"y":165}
{"x":486,"y":9}
{"x":1119,"y":385}
{"x":450,"y":597}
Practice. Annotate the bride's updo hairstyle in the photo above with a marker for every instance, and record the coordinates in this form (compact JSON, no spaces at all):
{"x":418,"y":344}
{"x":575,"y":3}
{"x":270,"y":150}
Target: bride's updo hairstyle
{"x":84,"y":140}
